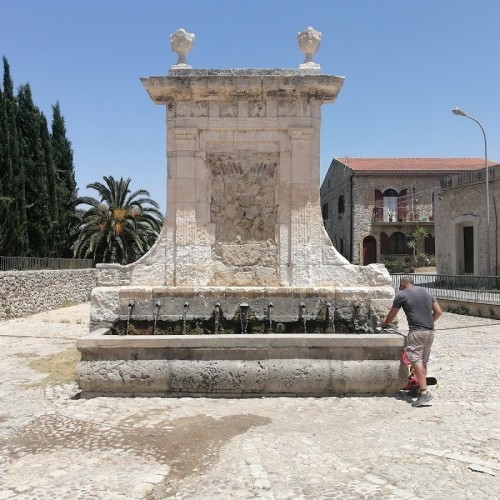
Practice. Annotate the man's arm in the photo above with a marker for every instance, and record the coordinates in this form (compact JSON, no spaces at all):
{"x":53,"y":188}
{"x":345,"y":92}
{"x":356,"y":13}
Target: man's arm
{"x":436,"y":310}
{"x":391,"y":315}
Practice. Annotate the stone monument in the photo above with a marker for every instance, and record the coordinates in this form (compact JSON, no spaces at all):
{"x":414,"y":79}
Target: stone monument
{"x":243,"y":252}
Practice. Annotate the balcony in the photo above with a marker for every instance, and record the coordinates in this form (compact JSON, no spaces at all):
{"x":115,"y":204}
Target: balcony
{"x":390,"y":218}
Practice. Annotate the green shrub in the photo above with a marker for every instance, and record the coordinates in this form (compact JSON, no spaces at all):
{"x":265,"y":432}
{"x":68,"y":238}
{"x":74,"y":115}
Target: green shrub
{"x":396,"y":264}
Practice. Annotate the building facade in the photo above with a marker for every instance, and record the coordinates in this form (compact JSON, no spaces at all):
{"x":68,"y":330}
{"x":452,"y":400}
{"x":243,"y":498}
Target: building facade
{"x":371,"y":206}
{"x":461,"y":223}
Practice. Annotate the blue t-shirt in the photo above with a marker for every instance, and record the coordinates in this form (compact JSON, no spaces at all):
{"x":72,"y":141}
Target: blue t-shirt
{"x":417,"y":305}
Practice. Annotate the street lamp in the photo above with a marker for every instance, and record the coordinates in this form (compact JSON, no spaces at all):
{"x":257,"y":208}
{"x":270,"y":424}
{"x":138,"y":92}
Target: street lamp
{"x":459,"y":112}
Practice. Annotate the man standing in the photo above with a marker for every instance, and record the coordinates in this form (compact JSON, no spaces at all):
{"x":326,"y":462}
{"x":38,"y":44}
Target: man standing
{"x":421,"y":310}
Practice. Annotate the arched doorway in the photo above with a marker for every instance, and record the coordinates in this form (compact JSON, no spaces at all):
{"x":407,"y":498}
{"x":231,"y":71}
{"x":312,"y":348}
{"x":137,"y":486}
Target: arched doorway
{"x":369,"y":250}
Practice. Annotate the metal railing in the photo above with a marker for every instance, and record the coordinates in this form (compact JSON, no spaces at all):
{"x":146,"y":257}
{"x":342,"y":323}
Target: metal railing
{"x":39,"y":263}
{"x":458,"y":287}
{"x":403,"y":216}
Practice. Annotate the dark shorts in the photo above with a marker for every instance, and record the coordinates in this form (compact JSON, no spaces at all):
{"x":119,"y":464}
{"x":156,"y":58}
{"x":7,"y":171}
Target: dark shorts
{"x":419,"y":346}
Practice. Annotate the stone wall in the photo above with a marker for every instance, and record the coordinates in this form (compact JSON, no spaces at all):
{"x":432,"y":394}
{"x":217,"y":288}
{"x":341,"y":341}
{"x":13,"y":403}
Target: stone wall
{"x":479,"y":309}
{"x":30,"y":292}
{"x":461,"y":204}
{"x":337,"y":183}
{"x":364,"y":187}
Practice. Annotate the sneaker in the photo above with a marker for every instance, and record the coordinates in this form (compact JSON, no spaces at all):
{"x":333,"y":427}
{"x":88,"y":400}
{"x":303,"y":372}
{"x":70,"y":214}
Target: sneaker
{"x":423,"y":399}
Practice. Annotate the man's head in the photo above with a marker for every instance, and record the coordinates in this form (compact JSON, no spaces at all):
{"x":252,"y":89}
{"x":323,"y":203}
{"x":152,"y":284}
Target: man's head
{"x":405,"y":282}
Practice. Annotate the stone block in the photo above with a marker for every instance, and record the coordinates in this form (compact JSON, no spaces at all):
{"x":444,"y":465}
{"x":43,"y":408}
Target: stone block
{"x":222,"y":376}
{"x":123,"y":377}
{"x":298,"y":376}
{"x":104,"y":305}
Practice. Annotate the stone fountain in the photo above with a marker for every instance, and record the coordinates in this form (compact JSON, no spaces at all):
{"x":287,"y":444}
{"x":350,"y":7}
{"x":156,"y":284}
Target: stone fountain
{"x":243,"y":293}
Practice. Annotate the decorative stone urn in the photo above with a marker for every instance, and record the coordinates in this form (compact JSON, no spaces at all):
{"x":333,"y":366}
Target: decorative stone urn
{"x":309,"y":41}
{"x":181,"y":42}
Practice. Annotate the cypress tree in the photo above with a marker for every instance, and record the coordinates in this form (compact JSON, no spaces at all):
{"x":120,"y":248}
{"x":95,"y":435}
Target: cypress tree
{"x":66,"y":184}
{"x":36,"y":189}
{"x":3,"y":162}
{"x":13,"y":232}
{"x":52,"y":189}
{"x":37,"y":178}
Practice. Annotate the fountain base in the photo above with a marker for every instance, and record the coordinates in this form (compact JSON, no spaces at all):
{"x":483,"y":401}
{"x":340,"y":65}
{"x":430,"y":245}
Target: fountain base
{"x":240,"y":365}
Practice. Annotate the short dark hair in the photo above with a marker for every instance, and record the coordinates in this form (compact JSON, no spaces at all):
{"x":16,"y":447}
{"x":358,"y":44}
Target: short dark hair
{"x":407,"y":279}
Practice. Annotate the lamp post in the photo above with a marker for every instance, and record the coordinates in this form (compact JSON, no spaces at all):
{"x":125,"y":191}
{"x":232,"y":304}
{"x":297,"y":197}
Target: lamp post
{"x":459,"y":112}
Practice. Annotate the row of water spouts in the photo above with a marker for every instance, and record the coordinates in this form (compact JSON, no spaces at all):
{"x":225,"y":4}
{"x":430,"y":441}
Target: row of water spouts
{"x":244,"y":308}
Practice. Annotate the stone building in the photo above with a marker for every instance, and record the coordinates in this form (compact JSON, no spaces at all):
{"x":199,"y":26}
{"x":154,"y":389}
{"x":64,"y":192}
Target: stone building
{"x":460,"y":223}
{"x":371,"y":205}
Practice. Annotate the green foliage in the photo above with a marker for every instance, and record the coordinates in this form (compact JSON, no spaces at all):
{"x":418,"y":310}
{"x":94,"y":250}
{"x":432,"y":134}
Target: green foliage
{"x":118,"y":227}
{"x":397,"y":264}
{"x":66,"y":192}
{"x":37,"y":182}
{"x":415,"y":239}
{"x":13,"y":235}
{"x":458,"y":310}
{"x":36,"y":194}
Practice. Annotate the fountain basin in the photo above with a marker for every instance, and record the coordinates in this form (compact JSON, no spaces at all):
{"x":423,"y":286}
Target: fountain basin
{"x":240,"y":365}
{"x":162,"y":310}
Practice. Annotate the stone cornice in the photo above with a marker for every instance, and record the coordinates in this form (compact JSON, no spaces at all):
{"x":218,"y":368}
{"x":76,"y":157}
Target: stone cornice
{"x":247,"y":86}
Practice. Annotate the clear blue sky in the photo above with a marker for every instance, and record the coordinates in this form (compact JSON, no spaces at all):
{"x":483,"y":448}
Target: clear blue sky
{"x":406,"y":64}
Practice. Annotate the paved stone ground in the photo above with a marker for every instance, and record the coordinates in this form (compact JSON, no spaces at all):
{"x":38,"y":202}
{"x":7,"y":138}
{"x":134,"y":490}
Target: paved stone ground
{"x":55,"y":445}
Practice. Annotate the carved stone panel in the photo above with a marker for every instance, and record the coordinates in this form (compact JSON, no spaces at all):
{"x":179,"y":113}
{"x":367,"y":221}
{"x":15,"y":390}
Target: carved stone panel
{"x":257,"y":108}
{"x":243,"y":206}
{"x":228,"y":109}
{"x":287,"y":108}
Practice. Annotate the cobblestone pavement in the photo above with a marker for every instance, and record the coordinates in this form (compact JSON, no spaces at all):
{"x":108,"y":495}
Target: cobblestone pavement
{"x":55,"y":445}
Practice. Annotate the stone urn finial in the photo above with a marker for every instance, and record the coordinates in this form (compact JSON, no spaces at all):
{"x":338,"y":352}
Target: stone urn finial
{"x":309,"y":41}
{"x":181,"y":42}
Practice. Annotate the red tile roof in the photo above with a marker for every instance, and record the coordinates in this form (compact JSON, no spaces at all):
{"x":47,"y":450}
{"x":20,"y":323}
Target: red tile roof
{"x":412,"y":165}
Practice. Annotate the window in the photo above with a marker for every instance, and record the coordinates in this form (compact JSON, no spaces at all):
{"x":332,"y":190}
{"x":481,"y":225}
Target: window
{"x":341,"y":204}
{"x":402,"y":205}
{"x":397,"y":243}
{"x":324,"y":211}
{"x":430,"y":245}
{"x":390,"y":205}
{"x":384,"y":244}
{"x":378,"y":211}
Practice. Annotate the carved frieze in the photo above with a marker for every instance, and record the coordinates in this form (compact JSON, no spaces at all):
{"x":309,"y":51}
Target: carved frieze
{"x":257,"y":108}
{"x":243,"y":205}
{"x":228,"y":109}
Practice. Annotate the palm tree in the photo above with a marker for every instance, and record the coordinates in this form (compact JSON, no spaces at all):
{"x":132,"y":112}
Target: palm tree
{"x":120,"y":227}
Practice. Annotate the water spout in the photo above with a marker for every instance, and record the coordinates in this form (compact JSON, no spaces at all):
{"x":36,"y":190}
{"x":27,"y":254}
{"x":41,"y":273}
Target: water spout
{"x":270,"y":316}
{"x":244,"y":316}
{"x":155,"y":314}
{"x":303,"y":313}
{"x":184,"y":314}
{"x":330,"y":317}
{"x":130,"y":307}
{"x":216,"y":317}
